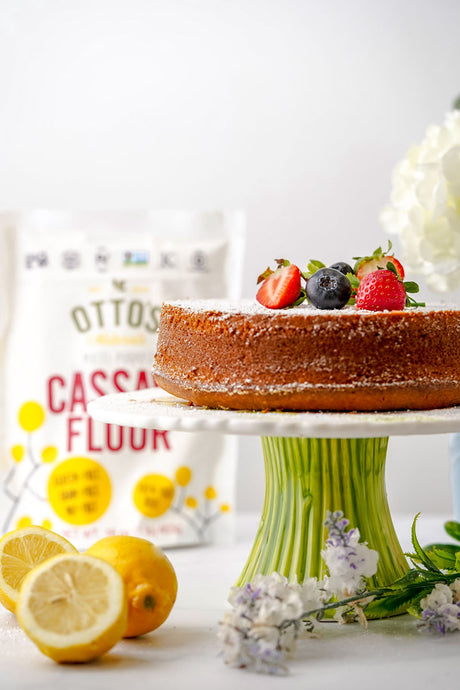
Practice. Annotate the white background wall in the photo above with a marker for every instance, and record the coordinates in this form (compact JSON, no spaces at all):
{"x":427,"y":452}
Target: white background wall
{"x":295,"y":111}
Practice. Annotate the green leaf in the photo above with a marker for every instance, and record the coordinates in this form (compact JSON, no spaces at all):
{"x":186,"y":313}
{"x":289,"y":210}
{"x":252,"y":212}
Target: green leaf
{"x":301,"y":298}
{"x":410,"y":302}
{"x":281,"y":263}
{"x":354,"y":281}
{"x":412,"y":575}
{"x":396,"y":602}
{"x":410,"y":286}
{"x":391,"y":267}
{"x":453,"y":529}
{"x":412,"y":578}
{"x":443,"y":555}
{"x":313,"y":266}
{"x":376,"y":254}
{"x":427,"y":562}
{"x":263,"y":276}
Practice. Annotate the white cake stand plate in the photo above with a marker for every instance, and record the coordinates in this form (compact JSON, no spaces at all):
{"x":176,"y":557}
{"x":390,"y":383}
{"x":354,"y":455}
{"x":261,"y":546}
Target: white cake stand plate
{"x":154,"y":408}
{"x":315,"y":462}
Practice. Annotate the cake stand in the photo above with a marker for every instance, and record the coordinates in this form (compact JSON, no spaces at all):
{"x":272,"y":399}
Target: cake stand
{"x":314,"y":462}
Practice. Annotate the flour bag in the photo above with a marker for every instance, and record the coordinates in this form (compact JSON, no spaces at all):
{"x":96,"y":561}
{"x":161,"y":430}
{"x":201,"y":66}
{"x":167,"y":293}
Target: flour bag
{"x":80,"y":297}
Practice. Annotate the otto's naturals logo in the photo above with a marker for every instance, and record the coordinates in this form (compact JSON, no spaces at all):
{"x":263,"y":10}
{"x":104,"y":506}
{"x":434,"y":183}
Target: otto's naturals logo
{"x":116,"y":312}
{"x":101,"y":314}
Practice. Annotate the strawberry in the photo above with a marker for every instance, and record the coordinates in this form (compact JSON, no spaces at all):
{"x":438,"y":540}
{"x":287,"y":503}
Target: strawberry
{"x":379,"y":259}
{"x":381,"y":290}
{"x":372,"y":265}
{"x":281,"y":288}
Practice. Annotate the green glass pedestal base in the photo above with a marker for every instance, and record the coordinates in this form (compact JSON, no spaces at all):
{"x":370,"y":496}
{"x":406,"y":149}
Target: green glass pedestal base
{"x":305,"y":478}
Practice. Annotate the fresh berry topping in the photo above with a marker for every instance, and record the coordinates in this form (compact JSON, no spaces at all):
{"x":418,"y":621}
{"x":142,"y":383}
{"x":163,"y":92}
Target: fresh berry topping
{"x":381,"y":290}
{"x":328,"y":289}
{"x":342,"y":267}
{"x":280,"y":263}
{"x":281,"y":288}
{"x":379,"y":259}
{"x":338,"y":285}
{"x":372,"y":265}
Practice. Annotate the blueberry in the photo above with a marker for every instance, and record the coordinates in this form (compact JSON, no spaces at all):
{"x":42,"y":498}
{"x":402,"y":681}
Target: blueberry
{"x":328,"y":289}
{"x":342,"y":267}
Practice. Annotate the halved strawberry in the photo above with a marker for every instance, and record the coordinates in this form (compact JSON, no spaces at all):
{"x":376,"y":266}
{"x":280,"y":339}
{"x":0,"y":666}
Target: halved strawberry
{"x":379,"y":259}
{"x":281,"y":288}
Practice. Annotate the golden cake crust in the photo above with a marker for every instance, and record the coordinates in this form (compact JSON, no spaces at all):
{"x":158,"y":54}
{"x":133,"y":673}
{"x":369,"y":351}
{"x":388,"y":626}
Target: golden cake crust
{"x":249,"y":357}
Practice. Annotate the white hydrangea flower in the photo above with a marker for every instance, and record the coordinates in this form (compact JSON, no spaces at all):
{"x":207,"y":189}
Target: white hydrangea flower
{"x":424,"y":208}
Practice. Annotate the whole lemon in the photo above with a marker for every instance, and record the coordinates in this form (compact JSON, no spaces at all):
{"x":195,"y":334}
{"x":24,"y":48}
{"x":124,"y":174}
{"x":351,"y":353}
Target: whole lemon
{"x":149,"y":577}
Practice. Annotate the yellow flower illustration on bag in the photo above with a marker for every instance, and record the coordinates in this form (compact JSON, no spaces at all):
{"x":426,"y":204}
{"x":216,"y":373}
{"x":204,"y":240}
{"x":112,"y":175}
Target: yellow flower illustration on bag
{"x":79,"y":489}
{"x":155,"y":494}
{"x":31,"y":417}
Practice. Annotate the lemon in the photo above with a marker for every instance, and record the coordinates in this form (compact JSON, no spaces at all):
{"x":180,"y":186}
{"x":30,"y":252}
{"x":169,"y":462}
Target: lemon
{"x":150,"y":580}
{"x":20,"y":551}
{"x":73,"y":606}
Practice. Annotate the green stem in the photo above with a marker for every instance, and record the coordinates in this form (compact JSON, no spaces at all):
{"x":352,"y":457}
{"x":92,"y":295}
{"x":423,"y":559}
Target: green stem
{"x":307,"y":477}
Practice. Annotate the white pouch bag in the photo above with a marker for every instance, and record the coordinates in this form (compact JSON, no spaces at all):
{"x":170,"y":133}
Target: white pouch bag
{"x":80,"y":297}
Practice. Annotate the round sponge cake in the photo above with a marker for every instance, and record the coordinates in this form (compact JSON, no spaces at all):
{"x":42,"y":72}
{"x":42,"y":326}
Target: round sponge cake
{"x":244,"y":356}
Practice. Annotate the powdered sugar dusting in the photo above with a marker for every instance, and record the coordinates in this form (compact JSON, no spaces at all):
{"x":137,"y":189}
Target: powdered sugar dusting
{"x":248,"y":307}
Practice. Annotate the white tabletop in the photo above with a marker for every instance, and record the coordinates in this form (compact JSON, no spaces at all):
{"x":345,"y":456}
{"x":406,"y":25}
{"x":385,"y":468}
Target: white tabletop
{"x":183,"y":653}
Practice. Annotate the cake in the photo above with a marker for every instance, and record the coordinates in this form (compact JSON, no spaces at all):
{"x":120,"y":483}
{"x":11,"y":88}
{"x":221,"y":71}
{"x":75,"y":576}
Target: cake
{"x":245,"y":356}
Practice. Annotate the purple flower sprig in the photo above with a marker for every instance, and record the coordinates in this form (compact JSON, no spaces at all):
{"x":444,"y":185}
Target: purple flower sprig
{"x":267,"y":615}
{"x":336,"y":525}
{"x":348,"y":560}
{"x":440,"y":610}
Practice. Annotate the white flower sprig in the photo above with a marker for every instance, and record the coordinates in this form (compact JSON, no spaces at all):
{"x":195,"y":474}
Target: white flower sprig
{"x":441,"y":609}
{"x":259,"y":632}
{"x":424,"y":208}
{"x":347,"y":560}
{"x":267,"y":615}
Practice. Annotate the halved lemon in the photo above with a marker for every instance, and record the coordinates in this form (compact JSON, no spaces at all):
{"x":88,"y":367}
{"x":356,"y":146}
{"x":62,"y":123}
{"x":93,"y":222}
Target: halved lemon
{"x":74,"y":607}
{"x":20,"y":551}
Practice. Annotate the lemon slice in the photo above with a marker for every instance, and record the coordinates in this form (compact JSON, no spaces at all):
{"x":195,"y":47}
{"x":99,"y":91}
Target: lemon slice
{"x":74,"y":607}
{"x":20,"y":551}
